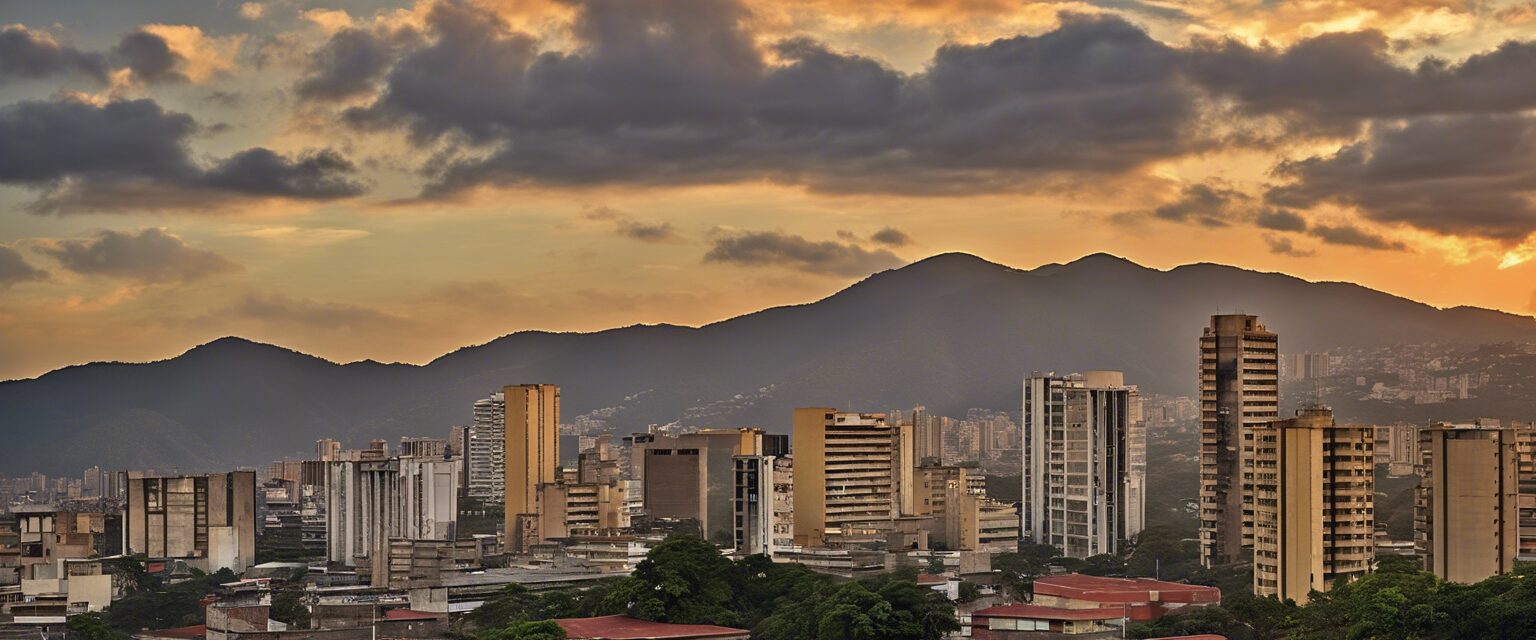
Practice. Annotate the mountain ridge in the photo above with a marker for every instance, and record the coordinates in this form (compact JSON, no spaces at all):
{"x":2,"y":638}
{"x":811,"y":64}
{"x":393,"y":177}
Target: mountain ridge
{"x":951,"y":331}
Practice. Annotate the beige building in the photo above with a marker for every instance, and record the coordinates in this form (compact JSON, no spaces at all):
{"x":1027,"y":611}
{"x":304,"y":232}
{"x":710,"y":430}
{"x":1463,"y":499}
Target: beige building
{"x":846,"y":476}
{"x":209,"y":521}
{"x":1525,"y":461}
{"x":1313,"y":504}
{"x":1239,"y":391}
{"x":532,"y":451}
{"x":1466,"y":518}
{"x":960,"y":515}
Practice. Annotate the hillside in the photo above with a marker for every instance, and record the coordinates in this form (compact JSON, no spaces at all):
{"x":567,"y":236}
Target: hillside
{"x":950,"y":332}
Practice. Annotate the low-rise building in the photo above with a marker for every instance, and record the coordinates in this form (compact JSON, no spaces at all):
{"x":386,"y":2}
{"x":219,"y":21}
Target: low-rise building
{"x":621,"y":627}
{"x":1142,"y":598}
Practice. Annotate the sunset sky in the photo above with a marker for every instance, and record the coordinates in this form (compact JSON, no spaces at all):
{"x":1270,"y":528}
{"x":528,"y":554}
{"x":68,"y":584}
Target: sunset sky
{"x":393,"y":181}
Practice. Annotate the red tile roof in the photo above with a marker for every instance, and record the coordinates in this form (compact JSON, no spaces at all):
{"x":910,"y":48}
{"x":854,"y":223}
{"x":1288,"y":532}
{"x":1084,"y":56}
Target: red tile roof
{"x":928,"y":578}
{"x":1077,"y":586}
{"x":622,"y":627}
{"x":1207,"y":636}
{"x":407,"y":614}
{"x":1038,"y":612}
{"x":194,"y":631}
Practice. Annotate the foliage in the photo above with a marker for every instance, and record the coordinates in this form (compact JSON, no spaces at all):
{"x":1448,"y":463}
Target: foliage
{"x":92,"y":626}
{"x":969,"y":592}
{"x":288,"y":607}
{"x":173,"y":606}
{"x":686,"y":580}
{"x":541,"y":630}
{"x":1164,"y":553}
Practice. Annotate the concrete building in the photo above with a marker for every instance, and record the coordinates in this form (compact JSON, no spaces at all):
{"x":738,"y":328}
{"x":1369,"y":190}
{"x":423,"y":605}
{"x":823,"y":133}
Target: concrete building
{"x":1082,"y":486}
{"x":764,"y":504}
{"x":532,"y":417}
{"x":208,"y":521}
{"x":954,"y":513}
{"x":1466,"y":516}
{"x":1239,"y":390}
{"x":692,"y":476}
{"x":370,"y":502}
{"x":845,"y":476}
{"x":485,"y":449}
{"x":423,"y":448}
{"x":1525,"y":463}
{"x":1314,"y":504}
{"x":928,"y":436}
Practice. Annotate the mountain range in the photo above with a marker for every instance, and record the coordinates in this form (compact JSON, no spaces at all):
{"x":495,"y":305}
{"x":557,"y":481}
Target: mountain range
{"x":949,"y":332}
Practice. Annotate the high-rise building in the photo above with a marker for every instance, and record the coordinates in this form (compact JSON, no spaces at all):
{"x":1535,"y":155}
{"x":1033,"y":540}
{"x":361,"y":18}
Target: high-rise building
{"x":327,"y":449}
{"x":532,"y":425}
{"x":693,"y":476}
{"x":756,"y":519}
{"x":845,"y":480}
{"x":423,"y":447}
{"x":485,"y":451}
{"x":927,"y":435}
{"x":1525,"y":462}
{"x":962,"y":517}
{"x":1313,"y":504}
{"x":1081,"y":488}
{"x":370,"y":501}
{"x":1466,"y":516}
{"x":1239,"y":390}
{"x":209,"y":521}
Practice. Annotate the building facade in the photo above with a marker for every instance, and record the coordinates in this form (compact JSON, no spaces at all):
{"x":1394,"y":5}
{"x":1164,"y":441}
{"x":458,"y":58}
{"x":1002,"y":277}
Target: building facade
{"x":1239,"y":391}
{"x":1313,"y":504}
{"x":485,"y":451}
{"x":1082,"y":486}
{"x":209,"y":521}
{"x":845,"y":476}
{"x":1466,"y":515}
{"x":532,"y":450}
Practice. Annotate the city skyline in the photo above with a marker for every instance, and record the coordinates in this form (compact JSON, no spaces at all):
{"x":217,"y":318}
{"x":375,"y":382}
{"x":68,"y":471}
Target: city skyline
{"x":296,"y":188}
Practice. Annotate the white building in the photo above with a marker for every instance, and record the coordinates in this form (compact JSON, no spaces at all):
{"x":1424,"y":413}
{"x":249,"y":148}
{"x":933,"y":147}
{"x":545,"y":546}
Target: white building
{"x":371,"y":501}
{"x":486,"y":454}
{"x":1084,"y":462}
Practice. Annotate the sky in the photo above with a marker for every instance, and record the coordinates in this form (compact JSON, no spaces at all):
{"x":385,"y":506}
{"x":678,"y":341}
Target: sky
{"x":394,"y":180}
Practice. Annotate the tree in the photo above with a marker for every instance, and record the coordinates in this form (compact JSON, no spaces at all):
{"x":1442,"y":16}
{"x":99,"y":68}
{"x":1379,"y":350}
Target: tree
{"x":685,"y":580}
{"x":540,"y":630}
{"x":969,"y":592}
{"x":288,"y":607}
{"x":91,"y":626}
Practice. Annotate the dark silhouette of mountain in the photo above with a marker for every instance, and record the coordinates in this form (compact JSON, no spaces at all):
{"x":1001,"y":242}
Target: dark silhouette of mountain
{"x":950,"y":332}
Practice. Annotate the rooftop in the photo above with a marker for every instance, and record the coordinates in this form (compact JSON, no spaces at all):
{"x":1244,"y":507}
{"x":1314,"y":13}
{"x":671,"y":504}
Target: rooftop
{"x":194,"y":631}
{"x":1124,"y":590}
{"x":622,"y":627}
{"x":408,"y":614}
{"x":1038,"y":612}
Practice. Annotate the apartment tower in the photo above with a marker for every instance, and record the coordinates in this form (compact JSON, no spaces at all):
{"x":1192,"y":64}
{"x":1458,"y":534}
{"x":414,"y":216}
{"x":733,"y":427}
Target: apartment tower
{"x":485,"y":451}
{"x":1239,"y":390}
{"x":846,"y":476}
{"x":1081,"y":487}
{"x":1313,"y":504}
{"x":1466,"y":516}
{"x":532,"y":450}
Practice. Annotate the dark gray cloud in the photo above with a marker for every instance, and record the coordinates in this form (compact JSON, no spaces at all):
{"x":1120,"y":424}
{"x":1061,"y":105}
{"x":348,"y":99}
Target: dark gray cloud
{"x":1208,"y":204}
{"x":646,"y":231}
{"x":1352,"y":236}
{"x":14,"y":268}
{"x":347,"y":65}
{"x":775,"y":248}
{"x":133,"y":155}
{"x":1281,"y":245}
{"x":150,"y":57}
{"x":1280,"y":220}
{"x":150,"y":255}
{"x":629,"y":227}
{"x":29,"y":54}
{"x":891,"y":237}
{"x":1334,"y":82}
{"x":691,"y":99}
{"x":1465,"y":175}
